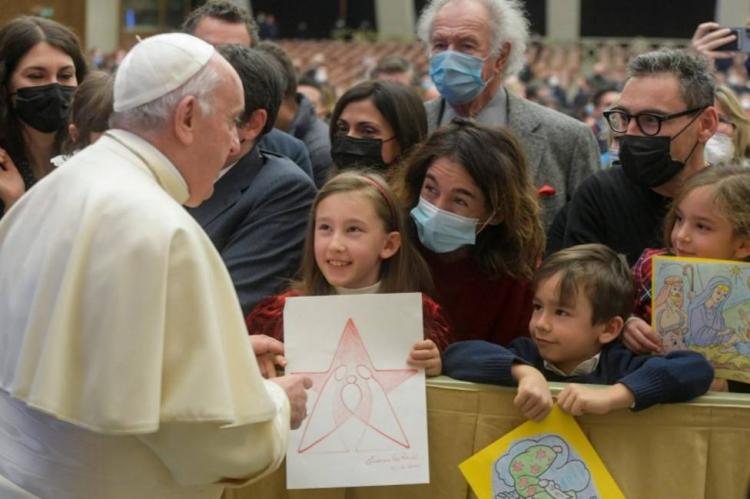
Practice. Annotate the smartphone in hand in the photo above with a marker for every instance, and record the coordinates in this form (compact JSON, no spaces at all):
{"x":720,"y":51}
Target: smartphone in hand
{"x":741,"y":43}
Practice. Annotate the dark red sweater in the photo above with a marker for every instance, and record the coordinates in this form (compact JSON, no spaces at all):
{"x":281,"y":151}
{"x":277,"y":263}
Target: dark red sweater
{"x":477,"y":307}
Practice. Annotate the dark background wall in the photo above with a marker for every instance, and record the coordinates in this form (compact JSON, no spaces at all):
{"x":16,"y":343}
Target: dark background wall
{"x":616,"y":18}
{"x":650,"y":18}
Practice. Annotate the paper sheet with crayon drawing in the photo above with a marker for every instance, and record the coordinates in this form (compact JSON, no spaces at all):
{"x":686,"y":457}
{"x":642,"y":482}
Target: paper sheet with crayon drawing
{"x":367,"y":411}
{"x":552,"y":459}
{"x":704,"y":305}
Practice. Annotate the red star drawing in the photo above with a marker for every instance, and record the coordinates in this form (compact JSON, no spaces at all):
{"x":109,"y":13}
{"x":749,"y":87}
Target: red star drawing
{"x":353,"y":387}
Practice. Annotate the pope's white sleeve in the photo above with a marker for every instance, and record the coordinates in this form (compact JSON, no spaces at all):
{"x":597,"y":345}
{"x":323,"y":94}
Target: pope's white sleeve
{"x":204,"y":453}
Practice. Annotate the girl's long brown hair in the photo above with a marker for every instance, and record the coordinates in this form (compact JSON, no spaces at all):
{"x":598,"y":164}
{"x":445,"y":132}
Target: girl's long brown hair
{"x":405,"y":271}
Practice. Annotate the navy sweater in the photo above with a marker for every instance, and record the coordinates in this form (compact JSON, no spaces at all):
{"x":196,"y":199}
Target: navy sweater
{"x":677,"y":377}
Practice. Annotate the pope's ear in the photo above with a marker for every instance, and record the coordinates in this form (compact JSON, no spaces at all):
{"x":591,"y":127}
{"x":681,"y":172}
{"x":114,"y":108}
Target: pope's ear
{"x":185,"y":116}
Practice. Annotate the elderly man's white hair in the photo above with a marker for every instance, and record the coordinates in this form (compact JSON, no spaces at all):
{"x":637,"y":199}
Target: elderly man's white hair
{"x":154,"y":115}
{"x":507,"y":21}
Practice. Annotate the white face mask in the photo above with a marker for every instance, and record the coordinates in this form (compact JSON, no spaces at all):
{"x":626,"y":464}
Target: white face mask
{"x":719,"y":149}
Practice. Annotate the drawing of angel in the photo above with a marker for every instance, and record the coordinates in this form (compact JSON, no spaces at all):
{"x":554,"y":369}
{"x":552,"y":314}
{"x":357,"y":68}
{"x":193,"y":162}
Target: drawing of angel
{"x":671,"y":318}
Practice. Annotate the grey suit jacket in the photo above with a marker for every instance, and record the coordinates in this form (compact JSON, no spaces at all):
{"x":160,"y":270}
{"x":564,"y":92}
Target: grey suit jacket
{"x":560,"y":151}
{"x":256,"y":218}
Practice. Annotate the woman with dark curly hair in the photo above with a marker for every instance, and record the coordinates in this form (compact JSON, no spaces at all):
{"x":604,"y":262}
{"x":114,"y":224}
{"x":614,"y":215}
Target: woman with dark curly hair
{"x":477,"y":220}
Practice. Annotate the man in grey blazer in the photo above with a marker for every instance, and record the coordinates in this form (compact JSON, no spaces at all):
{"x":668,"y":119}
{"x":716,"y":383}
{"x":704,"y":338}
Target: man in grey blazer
{"x":473,"y":45}
{"x":258,"y":212}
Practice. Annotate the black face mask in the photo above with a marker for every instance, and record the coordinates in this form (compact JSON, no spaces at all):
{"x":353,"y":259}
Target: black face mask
{"x":348,"y":153}
{"x":647,"y":160}
{"x":45,"y":107}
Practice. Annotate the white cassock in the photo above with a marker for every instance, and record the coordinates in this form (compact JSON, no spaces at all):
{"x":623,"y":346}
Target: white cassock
{"x":125,"y":367}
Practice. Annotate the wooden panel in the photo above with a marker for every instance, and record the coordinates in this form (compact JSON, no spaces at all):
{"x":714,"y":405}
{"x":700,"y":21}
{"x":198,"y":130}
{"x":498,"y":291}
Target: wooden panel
{"x":71,"y":13}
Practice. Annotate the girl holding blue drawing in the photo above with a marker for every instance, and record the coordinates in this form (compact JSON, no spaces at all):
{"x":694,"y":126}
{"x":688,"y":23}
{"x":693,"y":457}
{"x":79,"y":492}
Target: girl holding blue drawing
{"x":710,"y":218}
{"x":356,"y":244}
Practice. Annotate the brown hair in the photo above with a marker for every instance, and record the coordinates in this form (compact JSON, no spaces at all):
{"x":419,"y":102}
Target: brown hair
{"x":596,"y":271}
{"x":403,"y":272}
{"x":90,"y":109}
{"x":17,"y":38}
{"x":731,"y":189}
{"x":495,"y":161}
{"x":400,"y":106}
{"x":224,"y":11}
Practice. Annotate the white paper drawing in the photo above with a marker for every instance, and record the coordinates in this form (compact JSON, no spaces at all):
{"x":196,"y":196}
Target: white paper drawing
{"x":366,"y":421}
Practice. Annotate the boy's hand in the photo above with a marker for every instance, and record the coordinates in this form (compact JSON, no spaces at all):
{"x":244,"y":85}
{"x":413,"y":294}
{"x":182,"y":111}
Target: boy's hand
{"x":638,"y":336}
{"x":578,"y":399}
{"x":425,"y":355}
{"x":719,"y":385}
{"x":534,"y":399}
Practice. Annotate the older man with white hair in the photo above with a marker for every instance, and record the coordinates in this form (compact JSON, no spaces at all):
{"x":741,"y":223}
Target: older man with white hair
{"x":125,"y":368}
{"x":473,"y":46}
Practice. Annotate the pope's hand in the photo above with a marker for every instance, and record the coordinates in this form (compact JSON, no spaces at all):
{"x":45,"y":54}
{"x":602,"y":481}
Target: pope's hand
{"x":295,"y":385}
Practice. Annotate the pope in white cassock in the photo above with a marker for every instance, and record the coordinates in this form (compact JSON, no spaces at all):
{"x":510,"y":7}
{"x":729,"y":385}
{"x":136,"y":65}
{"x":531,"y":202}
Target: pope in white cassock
{"x":125,"y":368}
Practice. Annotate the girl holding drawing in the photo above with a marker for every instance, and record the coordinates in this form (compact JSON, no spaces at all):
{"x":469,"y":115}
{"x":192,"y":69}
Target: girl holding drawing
{"x":356,"y":244}
{"x":710,"y":218}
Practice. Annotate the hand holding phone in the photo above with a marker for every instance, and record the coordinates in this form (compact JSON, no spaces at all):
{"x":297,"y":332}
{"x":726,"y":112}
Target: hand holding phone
{"x":716,"y":42}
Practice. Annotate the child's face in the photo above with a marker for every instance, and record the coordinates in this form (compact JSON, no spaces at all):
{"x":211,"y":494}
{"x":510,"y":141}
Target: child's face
{"x":350,"y":240}
{"x":564,"y":334}
{"x":701,"y":229}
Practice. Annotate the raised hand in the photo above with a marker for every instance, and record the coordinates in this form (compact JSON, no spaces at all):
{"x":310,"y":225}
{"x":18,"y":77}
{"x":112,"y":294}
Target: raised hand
{"x":708,"y":37}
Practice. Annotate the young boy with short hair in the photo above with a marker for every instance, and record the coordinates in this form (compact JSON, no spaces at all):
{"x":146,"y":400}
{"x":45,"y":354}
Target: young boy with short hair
{"x":582,"y":296}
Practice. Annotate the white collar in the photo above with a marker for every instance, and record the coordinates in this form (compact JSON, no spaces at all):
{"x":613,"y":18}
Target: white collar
{"x":166,"y":173}
{"x":586,"y":367}
{"x":359,"y":291}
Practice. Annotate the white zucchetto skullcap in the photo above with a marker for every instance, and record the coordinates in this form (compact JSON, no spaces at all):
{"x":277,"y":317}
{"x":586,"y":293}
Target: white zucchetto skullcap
{"x":156,"y":66}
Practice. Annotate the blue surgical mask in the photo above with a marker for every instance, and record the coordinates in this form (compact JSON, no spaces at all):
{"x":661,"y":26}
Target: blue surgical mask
{"x":457,"y":76}
{"x":442,"y":231}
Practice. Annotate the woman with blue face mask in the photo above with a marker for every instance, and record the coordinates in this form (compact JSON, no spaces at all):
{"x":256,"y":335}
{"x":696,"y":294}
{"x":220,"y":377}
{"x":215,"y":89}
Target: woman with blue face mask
{"x":476,"y":218}
{"x":41,"y":64}
{"x":374,"y":125}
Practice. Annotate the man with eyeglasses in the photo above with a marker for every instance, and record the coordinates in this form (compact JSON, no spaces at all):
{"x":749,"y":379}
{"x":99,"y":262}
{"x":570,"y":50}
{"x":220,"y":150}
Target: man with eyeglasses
{"x":663,"y":119}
